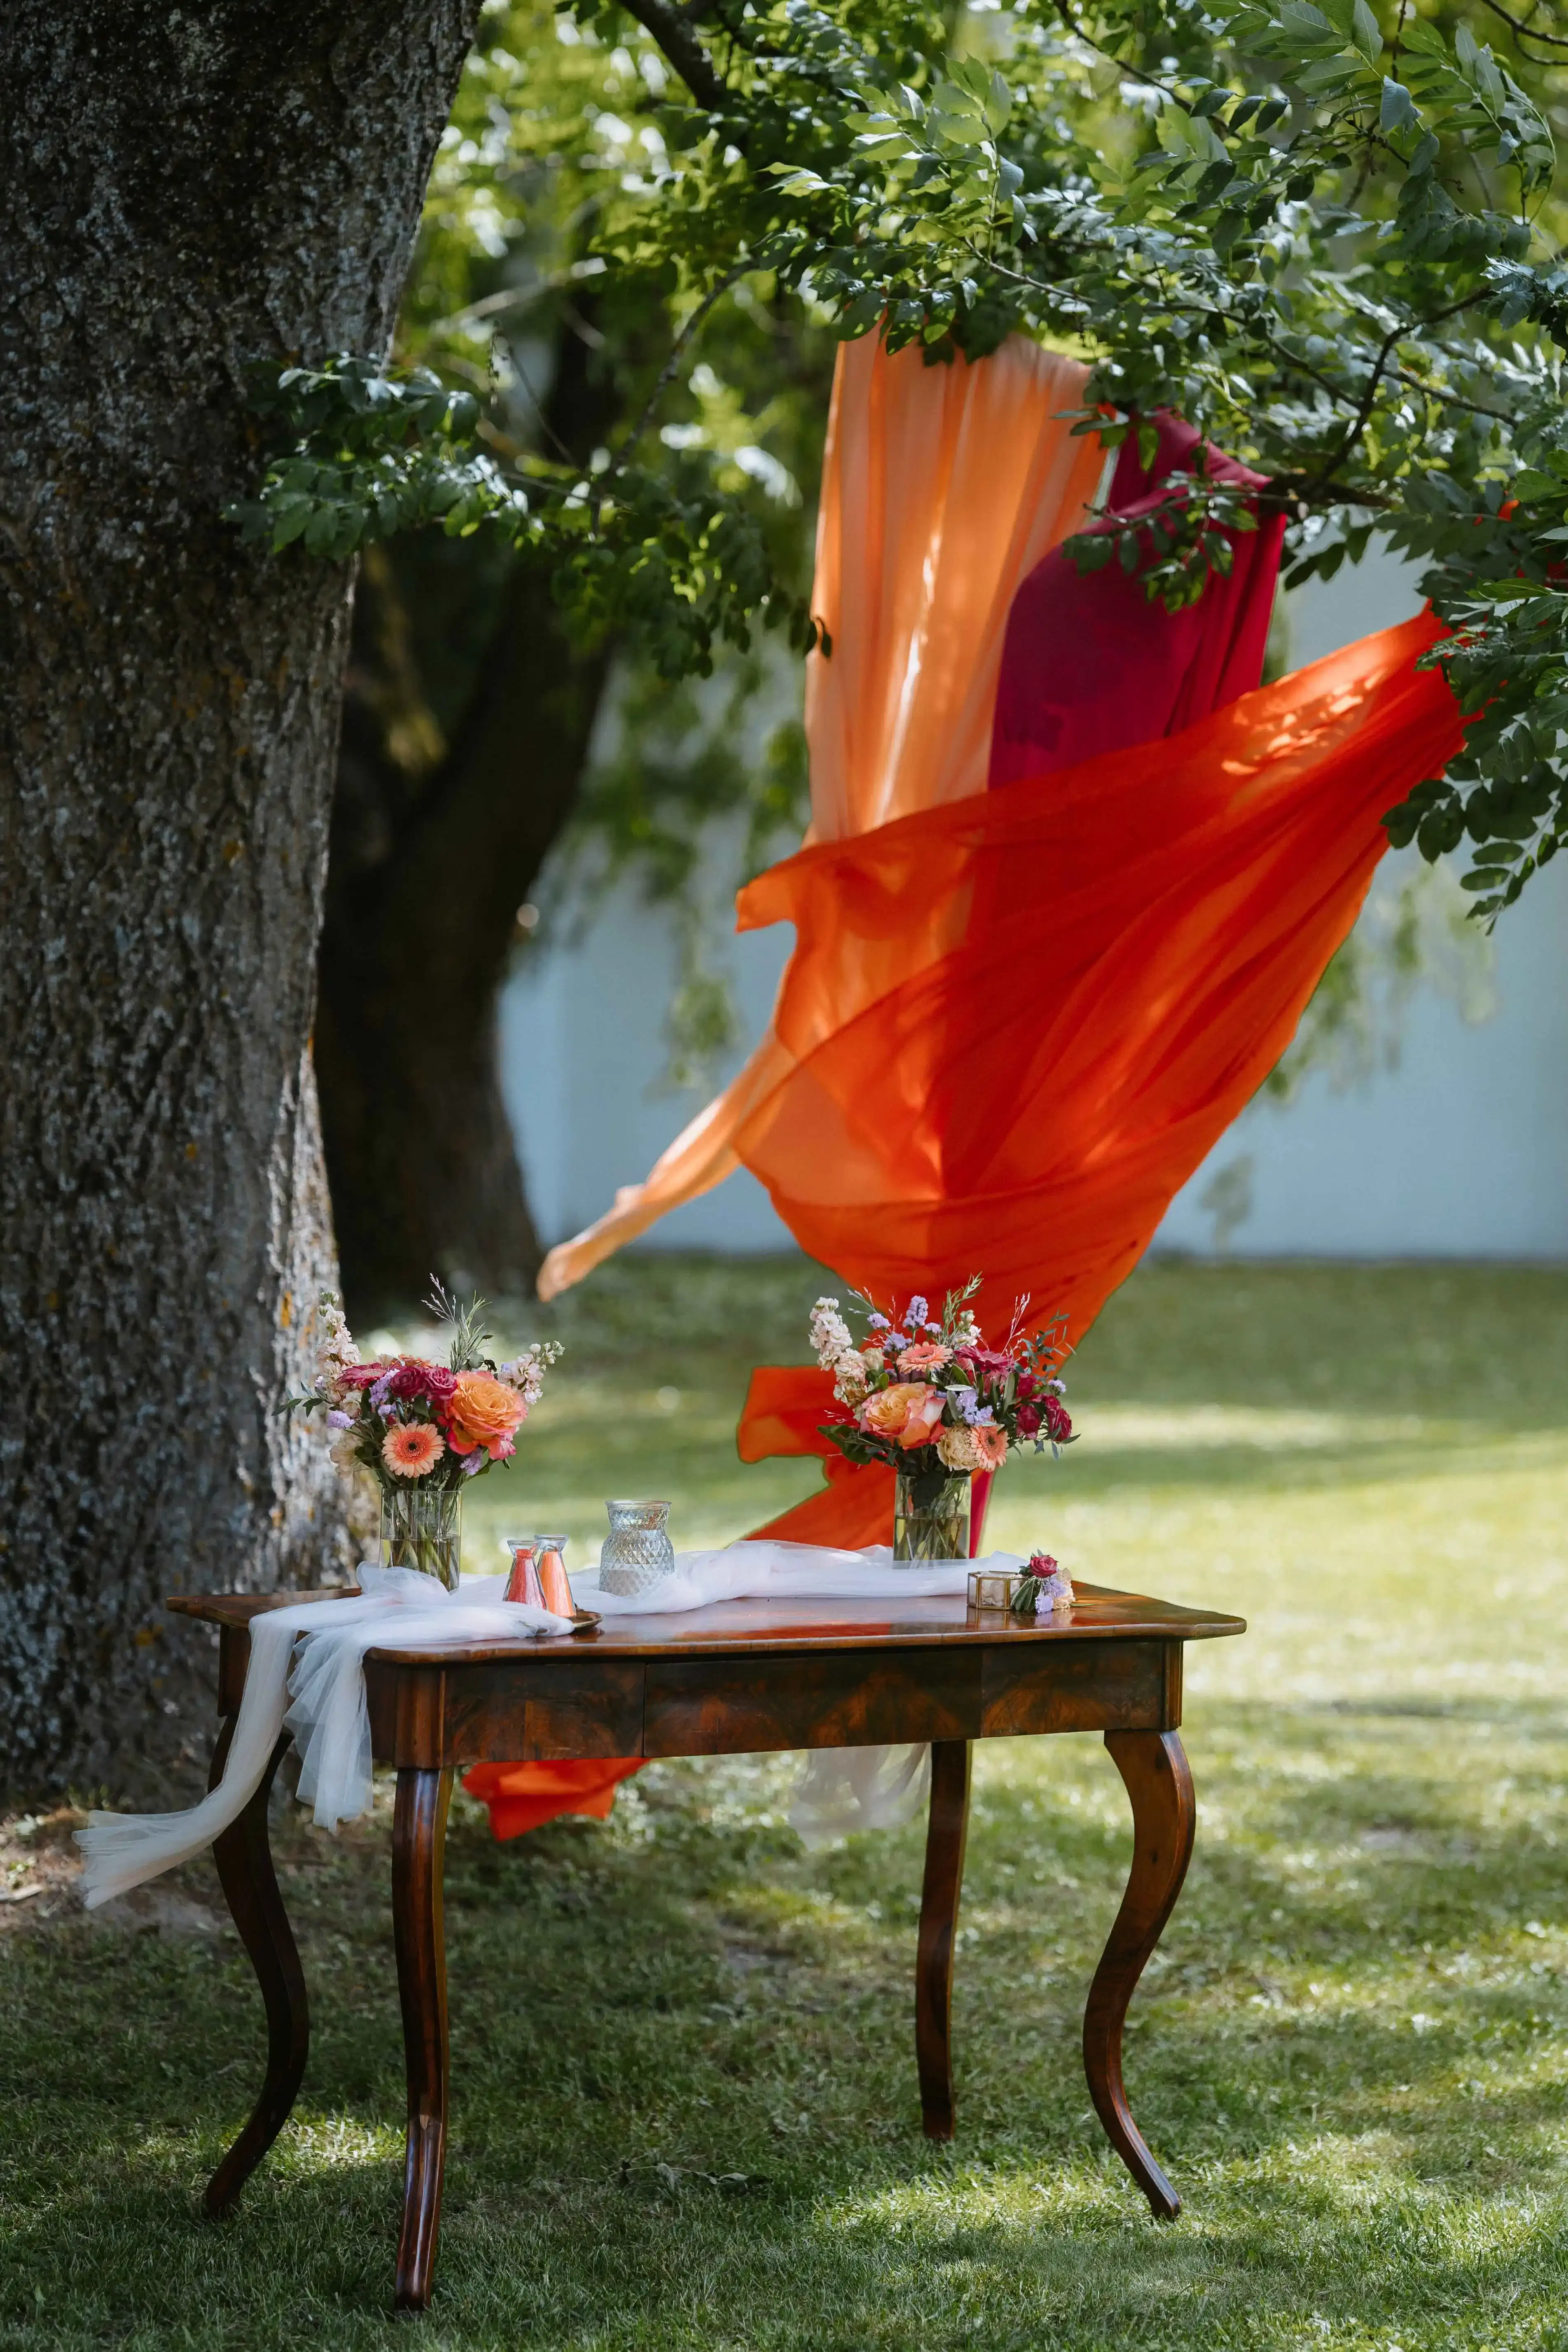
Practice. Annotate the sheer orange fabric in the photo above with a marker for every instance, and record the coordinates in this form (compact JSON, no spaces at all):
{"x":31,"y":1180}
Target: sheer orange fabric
{"x":942,"y":487}
{"x":522,"y":1797}
{"x":1019,"y":1023}
{"x":1015,"y":1021}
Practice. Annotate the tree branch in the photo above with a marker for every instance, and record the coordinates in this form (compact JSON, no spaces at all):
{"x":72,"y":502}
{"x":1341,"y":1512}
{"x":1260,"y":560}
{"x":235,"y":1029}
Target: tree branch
{"x":1523,"y":32}
{"x":667,"y":372}
{"x":672,"y":27}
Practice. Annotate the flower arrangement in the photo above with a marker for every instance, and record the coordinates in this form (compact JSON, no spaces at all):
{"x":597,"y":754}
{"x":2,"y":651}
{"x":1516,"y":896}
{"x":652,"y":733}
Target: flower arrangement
{"x":928,"y":1396}
{"x":1045,"y":1579}
{"x":418,"y":1426}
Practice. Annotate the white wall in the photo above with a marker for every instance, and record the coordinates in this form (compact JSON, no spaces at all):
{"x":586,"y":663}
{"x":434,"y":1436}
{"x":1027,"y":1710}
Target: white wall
{"x":1460,"y":1151}
{"x":581,"y":1046}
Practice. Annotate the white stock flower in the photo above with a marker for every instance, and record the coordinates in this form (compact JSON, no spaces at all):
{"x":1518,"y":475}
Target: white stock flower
{"x":849,"y":1382}
{"x":830,"y":1335}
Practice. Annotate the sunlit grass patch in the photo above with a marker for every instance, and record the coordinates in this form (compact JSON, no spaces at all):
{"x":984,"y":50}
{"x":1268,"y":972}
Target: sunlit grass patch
{"x":684,"y":2098}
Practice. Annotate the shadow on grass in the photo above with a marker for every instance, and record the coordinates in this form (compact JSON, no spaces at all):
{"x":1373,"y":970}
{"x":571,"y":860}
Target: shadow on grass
{"x":684,"y":2100}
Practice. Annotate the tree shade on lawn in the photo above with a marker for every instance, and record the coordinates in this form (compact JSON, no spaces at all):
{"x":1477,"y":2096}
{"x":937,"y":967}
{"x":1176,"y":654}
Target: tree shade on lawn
{"x":1357,"y":2049}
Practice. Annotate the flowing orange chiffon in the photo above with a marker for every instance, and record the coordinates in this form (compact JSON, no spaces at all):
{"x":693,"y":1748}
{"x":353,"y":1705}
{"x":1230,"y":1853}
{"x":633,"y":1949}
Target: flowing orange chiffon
{"x":942,"y":487}
{"x":524,"y":1796}
{"x":1014,"y":1022}
{"x":1019,"y":1023}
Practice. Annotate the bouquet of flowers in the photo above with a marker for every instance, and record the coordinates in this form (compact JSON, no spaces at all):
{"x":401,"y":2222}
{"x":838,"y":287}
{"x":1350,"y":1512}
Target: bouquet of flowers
{"x":422,"y":1424}
{"x":926,"y":1395}
{"x":422,"y":1429}
{"x":414,"y":1424}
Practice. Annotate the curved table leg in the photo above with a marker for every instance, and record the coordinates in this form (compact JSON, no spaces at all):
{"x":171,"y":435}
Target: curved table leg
{"x":947,"y":1826}
{"x":418,"y":1848}
{"x":244,"y":1858}
{"x":1154,"y":1766}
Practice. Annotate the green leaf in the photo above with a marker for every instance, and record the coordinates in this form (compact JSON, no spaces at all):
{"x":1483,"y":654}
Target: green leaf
{"x":1398,"y":110}
{"x":1364,"y":32}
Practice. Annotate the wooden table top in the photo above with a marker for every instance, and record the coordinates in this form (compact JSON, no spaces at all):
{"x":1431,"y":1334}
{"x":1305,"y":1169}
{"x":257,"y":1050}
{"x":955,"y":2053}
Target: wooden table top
{"x":741,"y":1628}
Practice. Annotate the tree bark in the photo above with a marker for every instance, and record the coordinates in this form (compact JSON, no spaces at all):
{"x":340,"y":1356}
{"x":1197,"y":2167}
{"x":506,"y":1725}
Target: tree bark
{"x":184,"y":193}
{"x":434,"y":848}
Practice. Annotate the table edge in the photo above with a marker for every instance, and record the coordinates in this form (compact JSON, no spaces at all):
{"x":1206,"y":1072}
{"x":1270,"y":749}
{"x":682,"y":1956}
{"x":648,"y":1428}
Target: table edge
{"x":1181,"y":1624}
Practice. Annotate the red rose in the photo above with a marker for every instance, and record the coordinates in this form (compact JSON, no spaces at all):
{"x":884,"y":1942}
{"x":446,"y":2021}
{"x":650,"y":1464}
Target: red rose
{"x":412,"y":1380}
{"x":1058,"y":1427}
{"x":1028,"y":1420}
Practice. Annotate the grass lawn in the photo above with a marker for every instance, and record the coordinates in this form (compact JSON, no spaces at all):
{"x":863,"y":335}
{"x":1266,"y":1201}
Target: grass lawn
{"x":684,"y":2101}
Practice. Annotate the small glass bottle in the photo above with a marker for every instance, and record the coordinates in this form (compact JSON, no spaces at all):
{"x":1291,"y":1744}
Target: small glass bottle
{"x":522,"y":1583}
{"x":549,"y":1564}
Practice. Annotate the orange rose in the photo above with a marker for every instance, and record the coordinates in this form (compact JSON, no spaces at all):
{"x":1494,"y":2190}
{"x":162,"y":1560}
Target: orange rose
{"x":484,"y":1411}
{"x":910,"y":1412}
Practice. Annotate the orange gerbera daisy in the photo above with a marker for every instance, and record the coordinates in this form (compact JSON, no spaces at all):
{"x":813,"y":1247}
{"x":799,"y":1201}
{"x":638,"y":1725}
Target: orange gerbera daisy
{"x":412,"y":1447}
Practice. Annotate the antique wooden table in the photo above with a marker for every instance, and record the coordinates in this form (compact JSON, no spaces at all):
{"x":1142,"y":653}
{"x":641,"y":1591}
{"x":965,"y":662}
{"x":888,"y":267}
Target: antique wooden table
{"x":734,"y":1679}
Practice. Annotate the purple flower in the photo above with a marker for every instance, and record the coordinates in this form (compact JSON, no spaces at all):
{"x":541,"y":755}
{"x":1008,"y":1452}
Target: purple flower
{"x":968,"y":1403}
{"x":918,"y":1311}
{"x":336,"y":1420}
{"x":881,"y":1323}
{"x":476,"y":1461}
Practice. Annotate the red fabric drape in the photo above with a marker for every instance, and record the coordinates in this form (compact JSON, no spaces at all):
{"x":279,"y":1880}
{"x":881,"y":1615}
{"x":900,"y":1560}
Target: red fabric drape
{"x":1089,"y":664}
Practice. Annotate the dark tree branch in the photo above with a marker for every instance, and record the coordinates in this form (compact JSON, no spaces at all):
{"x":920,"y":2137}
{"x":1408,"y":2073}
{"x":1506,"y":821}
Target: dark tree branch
{"x":1525,"y":32}
{"x":673,"y":28}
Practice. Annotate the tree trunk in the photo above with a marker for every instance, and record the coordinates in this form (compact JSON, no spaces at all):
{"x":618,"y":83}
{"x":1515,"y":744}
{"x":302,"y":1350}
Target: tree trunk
{"x":432,"y":851}
{"x":419,"y":932}
{"x":184,"y":193}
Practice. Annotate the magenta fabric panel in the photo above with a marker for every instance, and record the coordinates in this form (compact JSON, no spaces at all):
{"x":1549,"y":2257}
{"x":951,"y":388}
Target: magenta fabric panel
{"x":1090,"y":664}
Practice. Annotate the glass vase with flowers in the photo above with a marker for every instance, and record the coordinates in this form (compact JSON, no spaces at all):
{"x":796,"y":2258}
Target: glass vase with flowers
{"x":423,"y":1430}
{"x":926,"y":1395}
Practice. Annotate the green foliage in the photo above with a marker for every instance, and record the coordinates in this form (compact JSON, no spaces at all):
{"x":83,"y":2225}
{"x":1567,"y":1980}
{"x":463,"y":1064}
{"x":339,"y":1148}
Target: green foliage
{"x":671,"y":553}
{"x":1325,"y":235}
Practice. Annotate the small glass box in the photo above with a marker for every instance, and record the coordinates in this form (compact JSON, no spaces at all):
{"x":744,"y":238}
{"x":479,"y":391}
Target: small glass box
{"x":993,"y":1588}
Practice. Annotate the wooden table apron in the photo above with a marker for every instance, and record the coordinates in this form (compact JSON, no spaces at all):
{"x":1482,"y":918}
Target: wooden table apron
{"x":736,"y":1679}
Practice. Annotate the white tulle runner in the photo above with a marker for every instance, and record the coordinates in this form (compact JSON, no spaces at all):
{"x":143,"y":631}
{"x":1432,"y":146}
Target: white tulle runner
{"x":307,"y":1674}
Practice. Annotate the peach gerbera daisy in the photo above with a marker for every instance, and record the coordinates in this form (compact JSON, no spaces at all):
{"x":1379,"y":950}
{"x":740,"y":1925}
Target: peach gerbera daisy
{"x":412,"y":1447}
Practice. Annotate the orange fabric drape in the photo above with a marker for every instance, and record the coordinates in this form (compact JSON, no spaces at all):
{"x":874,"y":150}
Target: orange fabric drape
{"x":1014,"y":1021}
{"x":1018,"y":1024}
{"x":524,"y":1796}
{"x":942,"y":487}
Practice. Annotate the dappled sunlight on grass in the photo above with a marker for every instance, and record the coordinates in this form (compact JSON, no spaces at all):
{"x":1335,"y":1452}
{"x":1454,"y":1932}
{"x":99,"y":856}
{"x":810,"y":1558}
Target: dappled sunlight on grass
{"x":684,"y":2101}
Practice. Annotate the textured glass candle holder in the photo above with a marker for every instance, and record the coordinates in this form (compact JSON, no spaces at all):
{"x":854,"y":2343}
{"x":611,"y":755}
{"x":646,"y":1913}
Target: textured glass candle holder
{"x":422,"y":1528}
{"x":929,"y":1525}
{"x":638,"y":1551}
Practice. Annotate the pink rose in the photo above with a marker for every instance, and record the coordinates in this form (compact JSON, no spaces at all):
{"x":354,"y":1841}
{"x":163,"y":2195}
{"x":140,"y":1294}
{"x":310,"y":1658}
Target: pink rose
{"x":908,"y":1412}
{"x":991,"y":1444}
{"x":925,"y":1415}
{"x":924,"y":1355}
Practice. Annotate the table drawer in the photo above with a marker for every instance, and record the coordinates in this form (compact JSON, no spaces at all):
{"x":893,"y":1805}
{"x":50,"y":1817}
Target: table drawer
{"x":504,"y":1712}
{"x":743,"y":1706}
{"x":1081,"y":1686}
